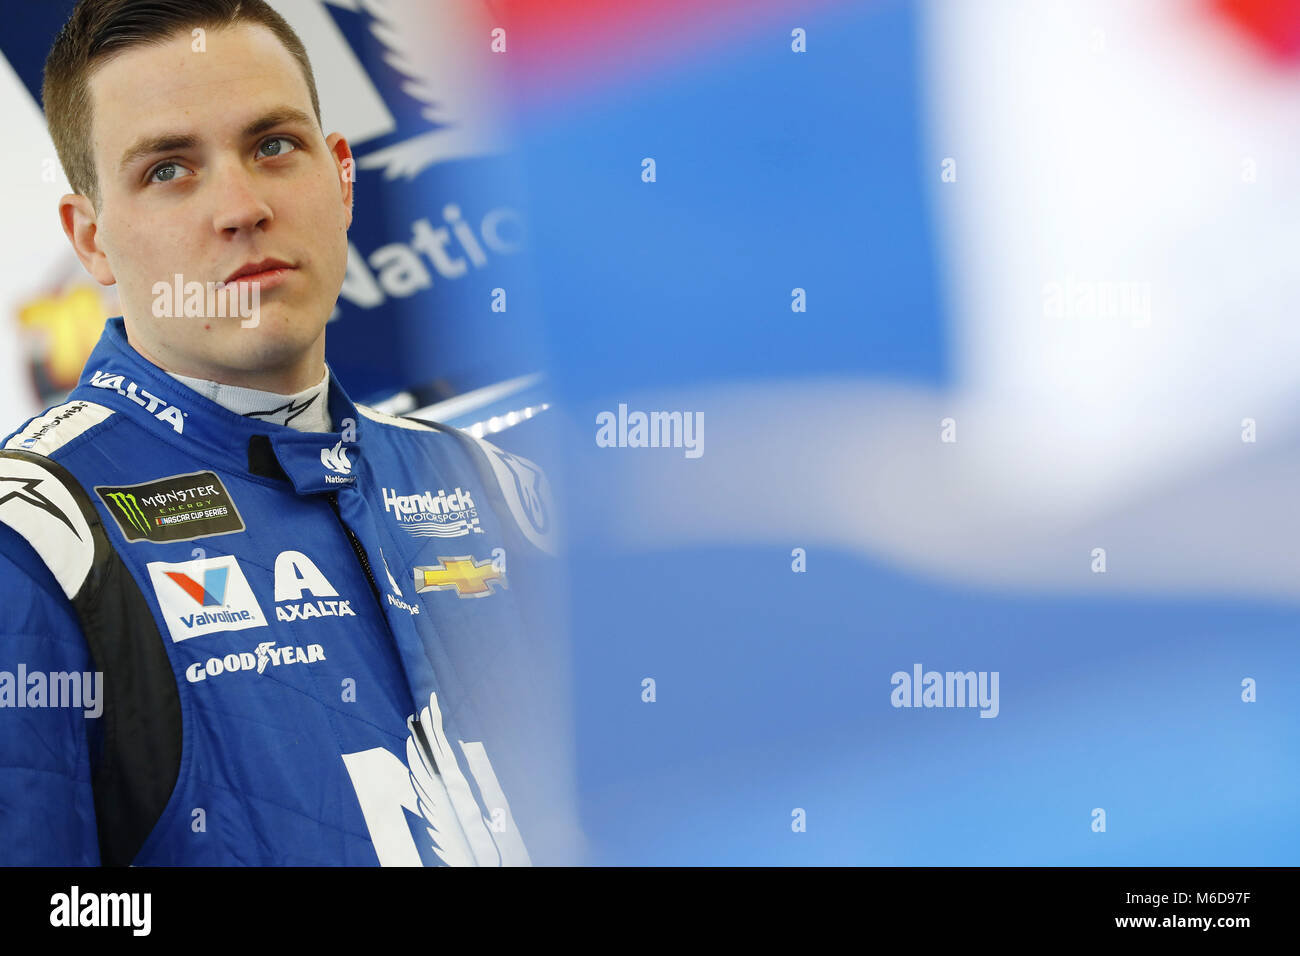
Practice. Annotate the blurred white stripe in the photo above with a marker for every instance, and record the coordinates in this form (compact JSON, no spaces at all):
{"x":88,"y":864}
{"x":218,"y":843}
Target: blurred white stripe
{"x":1105,"y":140}
{"x":860,"y":466}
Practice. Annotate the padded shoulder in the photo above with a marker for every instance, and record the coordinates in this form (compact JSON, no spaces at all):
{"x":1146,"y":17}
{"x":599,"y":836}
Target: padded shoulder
{"x":522,"y":485}
{"x":384,"y":418}
{"x":41,"y":501}
{"x":48,"y":432}
{"x":526,"y":491}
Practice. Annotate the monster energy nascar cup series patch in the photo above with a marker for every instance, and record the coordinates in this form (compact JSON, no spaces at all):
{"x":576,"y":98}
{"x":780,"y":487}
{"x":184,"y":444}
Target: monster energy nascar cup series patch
{"x":176,"y":508}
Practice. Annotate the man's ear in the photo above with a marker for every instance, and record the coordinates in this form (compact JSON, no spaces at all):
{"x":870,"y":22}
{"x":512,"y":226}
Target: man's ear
{"x":346,"y":166}
{"x":77,"y":214}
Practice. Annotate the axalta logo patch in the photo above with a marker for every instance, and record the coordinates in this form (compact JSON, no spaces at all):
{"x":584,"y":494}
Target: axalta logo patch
{"x":151,"y":403}
{"x":469,"y":578}
{"x":204,"y":597}
{"x":266,"y":654}
{"x":296,"y":573}
{"x":434,"y":516}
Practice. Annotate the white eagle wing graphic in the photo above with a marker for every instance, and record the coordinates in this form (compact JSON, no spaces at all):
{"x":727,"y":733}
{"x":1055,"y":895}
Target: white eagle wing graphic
{"x":441,"y":47}
{"x":432,"y":798}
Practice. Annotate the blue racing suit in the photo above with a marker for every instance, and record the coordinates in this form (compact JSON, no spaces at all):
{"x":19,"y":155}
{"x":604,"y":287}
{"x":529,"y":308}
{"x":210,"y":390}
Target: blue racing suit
{"x":224,"y":641}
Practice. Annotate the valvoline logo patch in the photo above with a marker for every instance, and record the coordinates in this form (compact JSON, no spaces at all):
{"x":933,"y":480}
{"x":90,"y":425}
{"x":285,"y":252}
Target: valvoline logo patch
{"x":211,"y":592}
{"x":204,"y":596}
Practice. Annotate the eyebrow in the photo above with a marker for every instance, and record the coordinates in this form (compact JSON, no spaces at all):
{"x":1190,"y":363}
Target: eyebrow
{"x":169,"y":142}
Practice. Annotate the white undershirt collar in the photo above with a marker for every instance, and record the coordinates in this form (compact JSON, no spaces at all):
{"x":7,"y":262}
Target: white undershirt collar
{"x":306,"y":411}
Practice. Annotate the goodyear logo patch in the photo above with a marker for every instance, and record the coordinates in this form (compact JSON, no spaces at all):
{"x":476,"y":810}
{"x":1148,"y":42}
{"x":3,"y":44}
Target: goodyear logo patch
{"x":175,"y":508}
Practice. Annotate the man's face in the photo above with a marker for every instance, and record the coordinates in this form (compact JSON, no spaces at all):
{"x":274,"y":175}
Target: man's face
{"x":247,"y":177}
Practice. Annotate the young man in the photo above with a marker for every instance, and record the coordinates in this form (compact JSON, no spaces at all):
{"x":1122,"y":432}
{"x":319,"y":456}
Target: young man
{"x":243,"y":620}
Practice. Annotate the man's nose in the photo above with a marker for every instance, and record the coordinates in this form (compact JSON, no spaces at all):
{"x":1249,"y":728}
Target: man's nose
{"x":241,"y":201}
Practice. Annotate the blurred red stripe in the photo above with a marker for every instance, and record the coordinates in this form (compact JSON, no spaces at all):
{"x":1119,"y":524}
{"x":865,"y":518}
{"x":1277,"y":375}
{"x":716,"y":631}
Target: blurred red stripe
{"x":576,"y":42}
{"x":554,"y":25}
{"x":1273,"y":24}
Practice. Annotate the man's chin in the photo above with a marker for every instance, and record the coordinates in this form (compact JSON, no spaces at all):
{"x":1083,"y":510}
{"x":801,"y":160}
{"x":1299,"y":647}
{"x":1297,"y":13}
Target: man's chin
{"x":273,"y":326}
{"x":266,"y":349}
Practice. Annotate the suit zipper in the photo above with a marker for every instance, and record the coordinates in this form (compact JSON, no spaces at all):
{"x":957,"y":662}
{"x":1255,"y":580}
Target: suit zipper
{"x":357,"y":549}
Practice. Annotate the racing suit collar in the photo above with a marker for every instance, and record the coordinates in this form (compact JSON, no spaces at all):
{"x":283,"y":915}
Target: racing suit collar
{"x":118,"y":376}
{"x":304,"y":411}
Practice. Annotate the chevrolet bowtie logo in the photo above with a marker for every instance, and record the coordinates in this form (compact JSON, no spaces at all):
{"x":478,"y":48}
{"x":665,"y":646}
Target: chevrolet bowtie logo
{"x":470,"y":578}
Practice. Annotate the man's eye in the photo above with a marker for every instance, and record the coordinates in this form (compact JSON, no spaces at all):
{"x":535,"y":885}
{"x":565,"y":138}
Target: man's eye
{"x":271,"y":147}
{"x":166,"y":172}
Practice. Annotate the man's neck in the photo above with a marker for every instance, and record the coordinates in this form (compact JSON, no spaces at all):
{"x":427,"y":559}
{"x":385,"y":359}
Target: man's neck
{"x":302,"y":373}
{"x":306,"y":411}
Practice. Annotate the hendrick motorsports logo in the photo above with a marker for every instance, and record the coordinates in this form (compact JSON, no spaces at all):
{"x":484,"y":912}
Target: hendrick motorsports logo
{"x":469,"y":578}
{"x":175,"y":508}
{"x":434,"y":516}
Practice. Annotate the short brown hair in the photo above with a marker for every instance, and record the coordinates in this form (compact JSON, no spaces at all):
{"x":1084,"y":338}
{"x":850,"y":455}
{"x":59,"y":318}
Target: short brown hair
{"x":99,"y":30}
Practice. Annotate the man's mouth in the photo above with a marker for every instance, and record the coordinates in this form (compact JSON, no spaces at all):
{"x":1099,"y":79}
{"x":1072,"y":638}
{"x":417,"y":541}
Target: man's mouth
{"x":262,"y":270}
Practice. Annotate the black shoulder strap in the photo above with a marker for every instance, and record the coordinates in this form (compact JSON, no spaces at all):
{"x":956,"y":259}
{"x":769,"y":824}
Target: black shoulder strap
{"x":142,"y":714}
